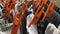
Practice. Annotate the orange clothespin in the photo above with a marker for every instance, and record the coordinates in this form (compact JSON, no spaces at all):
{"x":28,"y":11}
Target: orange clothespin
{"x":15,"y":19}
{"x":49,"y":10}
{"x":34,"y":18}
{"x":7,"y":10}
{"x":15,"y":27}
{"x":37,"y":14}
{"x":23,"y":9}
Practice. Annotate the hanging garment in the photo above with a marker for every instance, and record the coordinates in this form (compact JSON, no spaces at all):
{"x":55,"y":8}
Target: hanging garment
{"x":1,"y":13}
{"x":17,"y":7}
{"x":51,"y":29}
{"x":33,"y":28}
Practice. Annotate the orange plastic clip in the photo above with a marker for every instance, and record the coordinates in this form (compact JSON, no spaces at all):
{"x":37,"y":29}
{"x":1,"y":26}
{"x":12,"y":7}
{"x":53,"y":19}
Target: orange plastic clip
{"x":13,"y":30}
{"x":15,"y":27}
{"x":7,"y":10}
{"x":35,"y":18}
{"x":37,"y":14}
{"x":49,"y":10}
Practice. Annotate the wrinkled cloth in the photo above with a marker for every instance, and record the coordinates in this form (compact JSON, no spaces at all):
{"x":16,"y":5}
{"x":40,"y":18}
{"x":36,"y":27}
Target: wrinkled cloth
{"x":51,"y":29}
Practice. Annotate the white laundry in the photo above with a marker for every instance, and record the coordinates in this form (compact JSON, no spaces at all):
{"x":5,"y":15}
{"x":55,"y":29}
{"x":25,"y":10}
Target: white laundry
{"x":12,"y":11}
{"x":16,"y":7}
{"x":51,"y":29}
{"x":33,"y":28}
{"x":2,"y":21}
{"x":57,"y":31}
{"x":1,"y":13}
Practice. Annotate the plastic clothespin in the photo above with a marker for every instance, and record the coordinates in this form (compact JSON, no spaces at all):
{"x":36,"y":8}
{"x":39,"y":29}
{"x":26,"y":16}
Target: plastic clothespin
{"x":13,"y":28}
{"x":22,"y":11}
{"x":35,"y":18}
{"x":49,"y":10}
{"x":38,"y":13}
{"x":7,"y":14}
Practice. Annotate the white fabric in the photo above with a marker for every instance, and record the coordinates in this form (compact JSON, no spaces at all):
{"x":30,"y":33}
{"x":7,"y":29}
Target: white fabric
{"x":33,"y":28}
{"x":57,"y":31}
{"x":51,"y":29}
{"x":2,"y":21}
{"x":30,"y":10}
{"x":16,"y":5}
{"x":1,"y":13}
{"x":12,"y":11}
